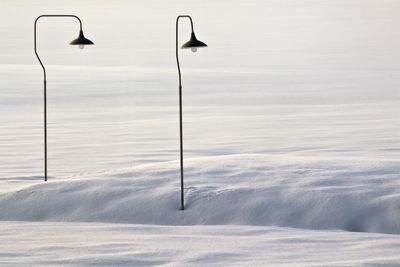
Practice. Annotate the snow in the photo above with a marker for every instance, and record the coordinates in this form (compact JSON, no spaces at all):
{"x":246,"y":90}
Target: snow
{"x":297,"y":192}
{"x":96,"y":244}
{"x":291,"y":130}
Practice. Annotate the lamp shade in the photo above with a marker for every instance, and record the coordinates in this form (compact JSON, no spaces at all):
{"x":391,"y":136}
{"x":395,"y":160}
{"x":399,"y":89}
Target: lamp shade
{"x":193,"y":42}
{"x":81,"y":40}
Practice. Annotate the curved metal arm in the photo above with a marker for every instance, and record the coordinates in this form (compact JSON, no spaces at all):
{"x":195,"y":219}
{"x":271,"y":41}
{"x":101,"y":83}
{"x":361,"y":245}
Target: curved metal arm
{"x":176,"y":44}
{"x":34,"y":42}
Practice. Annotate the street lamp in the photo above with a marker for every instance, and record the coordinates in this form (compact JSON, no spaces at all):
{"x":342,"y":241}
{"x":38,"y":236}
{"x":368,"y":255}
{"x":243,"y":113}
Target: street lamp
{"x":81,"y":41}
{"x":193,"y":44}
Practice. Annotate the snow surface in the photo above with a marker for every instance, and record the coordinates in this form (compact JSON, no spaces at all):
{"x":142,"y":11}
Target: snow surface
{"x":96,"y":244}
{"x":291,"y":122}
{"x":311,"y":193}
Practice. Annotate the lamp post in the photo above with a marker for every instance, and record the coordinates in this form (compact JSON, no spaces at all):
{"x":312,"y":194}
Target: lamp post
{"x":193,"y":44}
{"x":81,"y":41}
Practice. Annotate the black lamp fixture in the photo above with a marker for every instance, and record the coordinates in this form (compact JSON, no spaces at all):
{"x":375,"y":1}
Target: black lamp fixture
{"x":193,"y":44}
{"x":81,"y":41}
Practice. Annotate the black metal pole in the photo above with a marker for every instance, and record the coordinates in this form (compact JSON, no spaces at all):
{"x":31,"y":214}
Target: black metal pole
{"x":45,"y":130}
{"x":180,"y":107}
{"x":45,"y":85}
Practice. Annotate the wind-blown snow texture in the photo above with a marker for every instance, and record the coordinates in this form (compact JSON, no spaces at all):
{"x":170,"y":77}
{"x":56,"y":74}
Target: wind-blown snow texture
{"x":88,"y":244}
{"x":309,"y":193}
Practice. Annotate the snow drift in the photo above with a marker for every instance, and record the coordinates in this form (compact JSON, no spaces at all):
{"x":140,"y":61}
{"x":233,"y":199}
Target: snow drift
{"x":351,"y":195}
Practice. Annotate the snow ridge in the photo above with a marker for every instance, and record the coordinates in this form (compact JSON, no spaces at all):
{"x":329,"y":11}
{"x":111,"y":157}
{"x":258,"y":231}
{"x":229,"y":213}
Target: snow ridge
{"x":352,"y":195}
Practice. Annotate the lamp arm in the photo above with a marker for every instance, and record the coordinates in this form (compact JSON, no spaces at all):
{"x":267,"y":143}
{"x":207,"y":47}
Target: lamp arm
{"x":34,"y":42}
{"x":176,"y":44}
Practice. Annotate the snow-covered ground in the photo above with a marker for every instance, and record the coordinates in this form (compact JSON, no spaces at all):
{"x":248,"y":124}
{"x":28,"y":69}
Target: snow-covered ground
{"x":291,"y":122}
{"x":96,"y":244}
{"x":344,"y":194}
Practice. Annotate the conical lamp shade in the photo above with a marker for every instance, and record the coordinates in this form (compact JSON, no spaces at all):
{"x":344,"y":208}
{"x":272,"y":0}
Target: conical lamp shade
{"x":81,"y":40}
{"x":193,"y":42}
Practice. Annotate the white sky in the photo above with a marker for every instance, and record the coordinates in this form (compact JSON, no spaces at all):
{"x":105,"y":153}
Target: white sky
{"x":251,"y":35}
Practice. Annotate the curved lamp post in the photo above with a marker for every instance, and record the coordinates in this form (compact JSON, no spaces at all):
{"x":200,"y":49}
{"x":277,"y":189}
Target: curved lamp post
{"x":81,"y":41}
{"x":193,"y":44}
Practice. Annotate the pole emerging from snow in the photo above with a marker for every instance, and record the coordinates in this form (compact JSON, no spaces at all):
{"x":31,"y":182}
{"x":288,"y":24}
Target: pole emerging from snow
{"x":81,"y":41}
{"x":193,"y":44}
